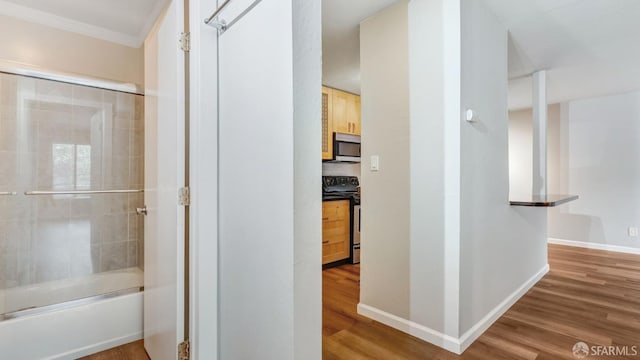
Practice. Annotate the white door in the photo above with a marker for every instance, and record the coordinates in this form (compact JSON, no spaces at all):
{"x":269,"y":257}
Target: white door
{"x":164,"y":175}
{"x":256,"y":181}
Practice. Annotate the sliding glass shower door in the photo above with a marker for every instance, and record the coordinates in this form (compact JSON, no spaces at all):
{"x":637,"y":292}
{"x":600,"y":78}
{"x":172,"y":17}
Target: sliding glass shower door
{"x":71,"y":178}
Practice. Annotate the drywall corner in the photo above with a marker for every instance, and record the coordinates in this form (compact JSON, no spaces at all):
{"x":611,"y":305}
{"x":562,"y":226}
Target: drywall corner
{"x":434,"y":62}
{"x":502,"y":247}
{"x":307,"y":79}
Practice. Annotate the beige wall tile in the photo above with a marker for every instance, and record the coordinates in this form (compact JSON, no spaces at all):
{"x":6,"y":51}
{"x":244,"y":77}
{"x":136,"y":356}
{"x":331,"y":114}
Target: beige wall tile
{"x":8,"y":134}
{"x":113,"y":256}
{"x":8,"y":170}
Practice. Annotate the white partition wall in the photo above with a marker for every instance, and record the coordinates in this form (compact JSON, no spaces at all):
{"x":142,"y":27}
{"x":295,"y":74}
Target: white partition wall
{"x":503,"y":248}
{"x":384,"y":66}
{"x":269,"y":174}
{"x":471,"y":255}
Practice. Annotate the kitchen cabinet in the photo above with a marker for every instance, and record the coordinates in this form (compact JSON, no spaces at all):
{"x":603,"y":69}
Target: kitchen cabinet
{"x":346,"y":112}
{"x":327,"y":124}
{"x":353,"y":112}
{"x":335,"y":231}
{"x":340,"y":113}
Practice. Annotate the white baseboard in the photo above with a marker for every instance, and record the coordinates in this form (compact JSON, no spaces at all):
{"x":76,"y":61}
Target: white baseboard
{"x":412,"y":328}
{"x":596,"y":246}
{"x":450,"y":343}
{"x":481,"y":326}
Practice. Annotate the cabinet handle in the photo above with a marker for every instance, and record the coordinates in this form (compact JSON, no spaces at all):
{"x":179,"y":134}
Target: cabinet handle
{"x":325,"y":242}
{"x":325,"y":218}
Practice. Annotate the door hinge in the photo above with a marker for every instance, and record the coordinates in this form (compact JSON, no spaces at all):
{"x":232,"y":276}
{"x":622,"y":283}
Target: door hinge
{"x":185,"y":41}
{"x":184,"y":197}
{"x":184,"y":351}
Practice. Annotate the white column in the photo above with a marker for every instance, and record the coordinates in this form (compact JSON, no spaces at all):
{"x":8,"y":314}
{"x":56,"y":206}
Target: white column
{"x":539,"y":105}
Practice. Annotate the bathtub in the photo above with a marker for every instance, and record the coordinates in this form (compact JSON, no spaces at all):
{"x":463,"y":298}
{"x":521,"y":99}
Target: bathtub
{"x":66,"y":320}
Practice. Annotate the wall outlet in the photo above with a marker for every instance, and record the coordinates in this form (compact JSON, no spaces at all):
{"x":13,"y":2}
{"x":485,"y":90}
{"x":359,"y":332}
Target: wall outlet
{"x":633,"y":231}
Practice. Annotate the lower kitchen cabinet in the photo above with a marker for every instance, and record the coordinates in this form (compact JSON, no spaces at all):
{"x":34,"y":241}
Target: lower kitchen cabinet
{"x":335,"y":231}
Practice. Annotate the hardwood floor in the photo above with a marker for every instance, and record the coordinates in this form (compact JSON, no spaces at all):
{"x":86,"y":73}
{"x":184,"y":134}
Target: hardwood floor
{"x":589,"y":295}
{"x":132,"y":351}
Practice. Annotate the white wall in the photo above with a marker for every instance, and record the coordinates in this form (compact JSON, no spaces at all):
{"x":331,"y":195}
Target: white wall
{"x":384,"y":279}
{"x":64,"y":51}
{"x":269,"y":182}
{"x":471,"y":255}
{"x":599,"y":160}
{"x":420,"y":242}
{"x":502,"y":247}
{"x":591,"y":154}
{"x":307,"y":204}
{"x":434,"y":62}
{"x":521,"y":152}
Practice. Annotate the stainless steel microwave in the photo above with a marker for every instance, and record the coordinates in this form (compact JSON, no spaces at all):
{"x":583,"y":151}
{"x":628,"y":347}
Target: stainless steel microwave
{"x":346,"y":147}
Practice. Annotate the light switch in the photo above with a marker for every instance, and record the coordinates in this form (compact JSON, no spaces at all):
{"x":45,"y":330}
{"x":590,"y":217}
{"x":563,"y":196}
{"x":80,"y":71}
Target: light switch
{"x":470,"y":115}
{"x":375,"y":163}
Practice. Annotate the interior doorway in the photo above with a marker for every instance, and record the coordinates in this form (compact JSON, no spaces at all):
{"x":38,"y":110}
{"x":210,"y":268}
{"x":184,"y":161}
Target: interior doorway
{"x":351,"y":98}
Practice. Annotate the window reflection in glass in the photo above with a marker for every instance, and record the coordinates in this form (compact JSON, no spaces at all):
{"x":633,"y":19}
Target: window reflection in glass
{"x":71,"y":166}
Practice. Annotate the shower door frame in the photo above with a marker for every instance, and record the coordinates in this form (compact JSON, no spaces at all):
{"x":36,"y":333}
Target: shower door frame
{"x":38,"y":73}
{"x":94,"y":308}
{"x":17,"y":68}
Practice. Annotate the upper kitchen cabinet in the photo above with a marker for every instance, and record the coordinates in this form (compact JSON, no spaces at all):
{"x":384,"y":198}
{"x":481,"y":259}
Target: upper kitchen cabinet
{"x":327,"y":124}
{"x":340,"y":113}
{"x":353,"y":112}
{"x":346,"y":112}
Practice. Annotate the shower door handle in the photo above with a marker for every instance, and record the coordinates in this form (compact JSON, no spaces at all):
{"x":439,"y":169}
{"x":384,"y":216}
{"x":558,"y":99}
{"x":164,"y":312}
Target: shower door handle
{"x":141,"y":211}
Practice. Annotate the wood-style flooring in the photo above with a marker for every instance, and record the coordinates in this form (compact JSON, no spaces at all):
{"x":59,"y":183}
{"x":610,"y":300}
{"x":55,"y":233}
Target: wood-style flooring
{"x":132,"y":351}
{"x":589,"y":295}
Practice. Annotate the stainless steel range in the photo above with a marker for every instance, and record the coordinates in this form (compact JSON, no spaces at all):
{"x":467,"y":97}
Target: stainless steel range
{"x":346,"y":187}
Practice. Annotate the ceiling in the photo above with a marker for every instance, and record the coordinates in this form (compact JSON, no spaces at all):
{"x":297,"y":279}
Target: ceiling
{"x":341,"y":40}
{"x":125,"y":22}
{"x":589,"y":47}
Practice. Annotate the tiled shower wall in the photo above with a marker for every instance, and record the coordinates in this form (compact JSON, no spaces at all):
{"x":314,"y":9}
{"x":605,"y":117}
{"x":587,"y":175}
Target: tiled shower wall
{"x":57,"y":136}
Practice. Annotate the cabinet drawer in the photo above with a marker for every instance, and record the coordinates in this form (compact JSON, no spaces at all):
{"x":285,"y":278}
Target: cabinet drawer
{"x":336,"y":230}
{"x":334,"y":252}
{"x":335,"y":210}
